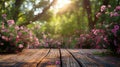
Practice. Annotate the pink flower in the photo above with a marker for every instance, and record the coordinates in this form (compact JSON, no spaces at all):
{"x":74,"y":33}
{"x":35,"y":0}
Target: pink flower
{"x":19,"y":33}
{"x":10,"y":22}
{"x":20,"y":46}
{"x":95,"y":32}
{"x":21,"y":28}
{"x":116,"y":27}
{"x":17,"y":27}
{"x":1,"y":44}
{"x":114,"y":32}
{"x":17,"y":36}
{"x":36,"y":39}
{"x":105,"y":39}
{"x":103,"y":8}
{"x":115,"y":14}
{"x":4,"y":16}
{"x":117,"y":8}
{"x":98,"y":14}
{"x":57,"y":62}
{"x":3,"y":37}
{"x":4,"y":30}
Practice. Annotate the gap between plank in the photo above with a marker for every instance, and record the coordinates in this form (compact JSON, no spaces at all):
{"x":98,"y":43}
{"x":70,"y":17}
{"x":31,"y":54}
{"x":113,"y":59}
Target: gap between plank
{"x":43,"y":58}
{"x":80,"y":64}
{"x":61,"y":65}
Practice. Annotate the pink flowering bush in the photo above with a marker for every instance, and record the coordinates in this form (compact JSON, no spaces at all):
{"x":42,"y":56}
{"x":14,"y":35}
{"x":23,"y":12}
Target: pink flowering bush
{"x":106,"y":33}
{"x":95,"y":39}
{"x":48,"y":42}
{"x":15,"y":38}
{"x":109,"y":19}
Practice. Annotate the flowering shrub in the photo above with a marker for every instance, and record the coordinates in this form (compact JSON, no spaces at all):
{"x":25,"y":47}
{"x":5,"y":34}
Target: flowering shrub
{"x":111,"y":24}
{"x":48,"y":42}
{"x":106,"y":33}
{"x":15,"y":38}
{"x":95,"y":39}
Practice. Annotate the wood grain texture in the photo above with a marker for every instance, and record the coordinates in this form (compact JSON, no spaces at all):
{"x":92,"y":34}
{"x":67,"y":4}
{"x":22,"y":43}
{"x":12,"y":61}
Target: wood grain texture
{"x":58,"y":58}
{"x":68,"y":60}
{"x":86,"y":61}
{"x":51,"y":60}
{"x":27,"y":58}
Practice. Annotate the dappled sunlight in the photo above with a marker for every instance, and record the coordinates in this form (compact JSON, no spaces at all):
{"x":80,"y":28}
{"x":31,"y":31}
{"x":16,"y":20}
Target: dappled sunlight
{"x":60,"y":5}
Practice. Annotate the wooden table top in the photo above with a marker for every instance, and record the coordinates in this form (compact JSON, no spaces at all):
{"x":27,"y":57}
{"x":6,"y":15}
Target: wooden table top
{"x":58,"y":58}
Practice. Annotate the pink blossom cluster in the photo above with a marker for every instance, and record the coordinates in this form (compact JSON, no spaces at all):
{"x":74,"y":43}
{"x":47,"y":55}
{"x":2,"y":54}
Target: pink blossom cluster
{"x":95,"y":39}
{"x":10,"y":22}
{"x":4,"y":16}
{"x":103,"y":8}
{"x":20,"y":34}
{"x":112,"y":14}
{"x":115,"y":29}
{"x":48,"y":42}
{"x":18,"y":37}
{"x":99,"y":38}
{"x":115,"y":13}
{"x":98,"y":14}
{"x":117,"y":8}
{"x":81,"y":40}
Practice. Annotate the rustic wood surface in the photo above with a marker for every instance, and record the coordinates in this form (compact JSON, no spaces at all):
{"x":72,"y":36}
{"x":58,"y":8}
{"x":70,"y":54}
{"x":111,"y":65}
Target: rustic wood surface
{"x":68,"y":60}
{"x":58,"y":58}
{"x":85,"y":61}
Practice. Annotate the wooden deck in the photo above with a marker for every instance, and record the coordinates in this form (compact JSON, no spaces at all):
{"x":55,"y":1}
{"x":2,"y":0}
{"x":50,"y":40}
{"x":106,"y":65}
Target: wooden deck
{"x":57,"y":58}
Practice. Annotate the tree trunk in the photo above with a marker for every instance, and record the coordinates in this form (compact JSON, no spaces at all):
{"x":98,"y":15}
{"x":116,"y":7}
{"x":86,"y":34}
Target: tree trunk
{"x":118,"y":2}
{"x":87,"y":6}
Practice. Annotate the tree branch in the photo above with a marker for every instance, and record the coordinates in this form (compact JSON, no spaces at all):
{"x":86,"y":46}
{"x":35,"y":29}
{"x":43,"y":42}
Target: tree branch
{"x":40,"y":15}
{"x":17,"y":9}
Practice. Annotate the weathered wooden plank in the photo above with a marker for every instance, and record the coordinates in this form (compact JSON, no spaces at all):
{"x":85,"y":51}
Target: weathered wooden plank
{"x":25,"y":59}
{"x":51,"y":60}
{"x":34,"y":59}
{"x":86,"y":61}
{"x":68,"y":60}
{"x":5,"y":59}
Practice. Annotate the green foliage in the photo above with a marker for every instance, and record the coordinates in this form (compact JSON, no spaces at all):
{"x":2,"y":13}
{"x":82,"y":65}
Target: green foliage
{"x":70,"y":20}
